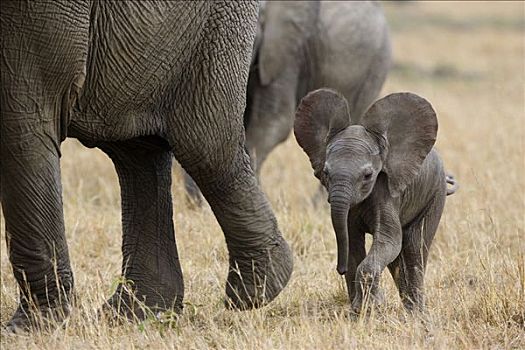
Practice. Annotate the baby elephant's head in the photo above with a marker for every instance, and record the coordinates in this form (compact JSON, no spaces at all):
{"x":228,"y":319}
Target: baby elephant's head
{"x":394,"y":137}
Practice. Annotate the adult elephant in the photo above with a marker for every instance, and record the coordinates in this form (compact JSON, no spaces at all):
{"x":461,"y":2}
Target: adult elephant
{"x":140,"y":80}
{"x":305,"y":45}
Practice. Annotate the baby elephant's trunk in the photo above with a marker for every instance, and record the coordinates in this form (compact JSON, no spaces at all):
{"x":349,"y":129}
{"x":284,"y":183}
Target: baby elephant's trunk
{"x":451,"y":181}
{"x":339,"y":210}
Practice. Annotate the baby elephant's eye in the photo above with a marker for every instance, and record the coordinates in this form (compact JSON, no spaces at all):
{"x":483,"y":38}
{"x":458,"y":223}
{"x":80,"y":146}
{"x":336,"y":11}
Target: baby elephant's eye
{"x":368,"y":175}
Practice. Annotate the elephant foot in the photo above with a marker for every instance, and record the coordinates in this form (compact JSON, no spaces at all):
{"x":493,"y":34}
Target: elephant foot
{"x":25,"y":320}
{"x":133,"y":305}
{"x":255,"y":280}
{"x":363,"y":302}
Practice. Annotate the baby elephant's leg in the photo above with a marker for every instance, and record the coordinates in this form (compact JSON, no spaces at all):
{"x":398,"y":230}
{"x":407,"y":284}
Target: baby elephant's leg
{"x":385,"y":248}
{"x":356,"y":254}
{"x":408,"y":269}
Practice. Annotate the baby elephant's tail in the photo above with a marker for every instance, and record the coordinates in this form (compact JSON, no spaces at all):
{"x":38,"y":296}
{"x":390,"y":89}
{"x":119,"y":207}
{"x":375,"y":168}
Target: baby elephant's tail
{"x":451,"y":181}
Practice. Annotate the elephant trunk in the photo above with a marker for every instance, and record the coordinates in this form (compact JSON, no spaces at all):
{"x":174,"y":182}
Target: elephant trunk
{"x":340,"y":206}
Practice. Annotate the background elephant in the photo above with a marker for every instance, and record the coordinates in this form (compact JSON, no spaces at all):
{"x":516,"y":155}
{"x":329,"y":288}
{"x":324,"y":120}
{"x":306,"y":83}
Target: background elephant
{"x":139,"y":80}
{"x":383,"y":177}
{"x":302,"y":46}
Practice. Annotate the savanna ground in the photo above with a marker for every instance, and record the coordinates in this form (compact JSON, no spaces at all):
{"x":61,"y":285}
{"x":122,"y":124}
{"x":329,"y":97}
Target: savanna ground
{"x":468,"y":60}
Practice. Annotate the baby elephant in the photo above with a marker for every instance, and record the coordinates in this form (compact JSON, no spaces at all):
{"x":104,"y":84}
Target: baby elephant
{"x":383,"y":177}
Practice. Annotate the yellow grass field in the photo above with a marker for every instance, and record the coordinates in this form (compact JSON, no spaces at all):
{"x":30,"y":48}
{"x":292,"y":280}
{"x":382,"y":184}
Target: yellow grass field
{"x":468,"y":59}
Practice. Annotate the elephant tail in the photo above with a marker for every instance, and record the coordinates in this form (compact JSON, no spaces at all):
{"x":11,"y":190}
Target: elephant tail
{"x":453,"y":183}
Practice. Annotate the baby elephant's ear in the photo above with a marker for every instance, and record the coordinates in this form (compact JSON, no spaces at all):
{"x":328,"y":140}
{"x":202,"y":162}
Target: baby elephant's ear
{"x":409,"y":123}
{"x":320,"y":115}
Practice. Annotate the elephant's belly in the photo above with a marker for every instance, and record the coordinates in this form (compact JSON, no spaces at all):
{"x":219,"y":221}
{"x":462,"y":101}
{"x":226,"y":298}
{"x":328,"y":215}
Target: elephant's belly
{"x":139,"y":52}
{"x":429,"y":182}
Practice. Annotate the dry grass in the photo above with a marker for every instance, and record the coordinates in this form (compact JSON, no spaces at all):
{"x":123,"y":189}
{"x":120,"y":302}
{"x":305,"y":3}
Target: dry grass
{"x":468,"y":60}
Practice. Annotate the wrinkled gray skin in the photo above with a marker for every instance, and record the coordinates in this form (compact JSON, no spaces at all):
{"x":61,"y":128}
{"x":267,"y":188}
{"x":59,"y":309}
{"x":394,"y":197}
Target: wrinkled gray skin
{"x":383,"y":177}
{"x":304,"y":45}
{"x":139,"y":80}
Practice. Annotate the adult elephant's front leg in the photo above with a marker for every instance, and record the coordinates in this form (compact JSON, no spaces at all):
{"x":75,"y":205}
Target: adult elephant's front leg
{"x":150,"y":267}
{"x":207,"y":136}
{"x":260,"y":259}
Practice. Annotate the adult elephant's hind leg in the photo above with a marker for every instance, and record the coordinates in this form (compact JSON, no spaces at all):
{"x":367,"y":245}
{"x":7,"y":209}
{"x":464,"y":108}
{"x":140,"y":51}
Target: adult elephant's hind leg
{"x":42,"y":65}
{"x":150,"y":267}
{"x":34,"y":222}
